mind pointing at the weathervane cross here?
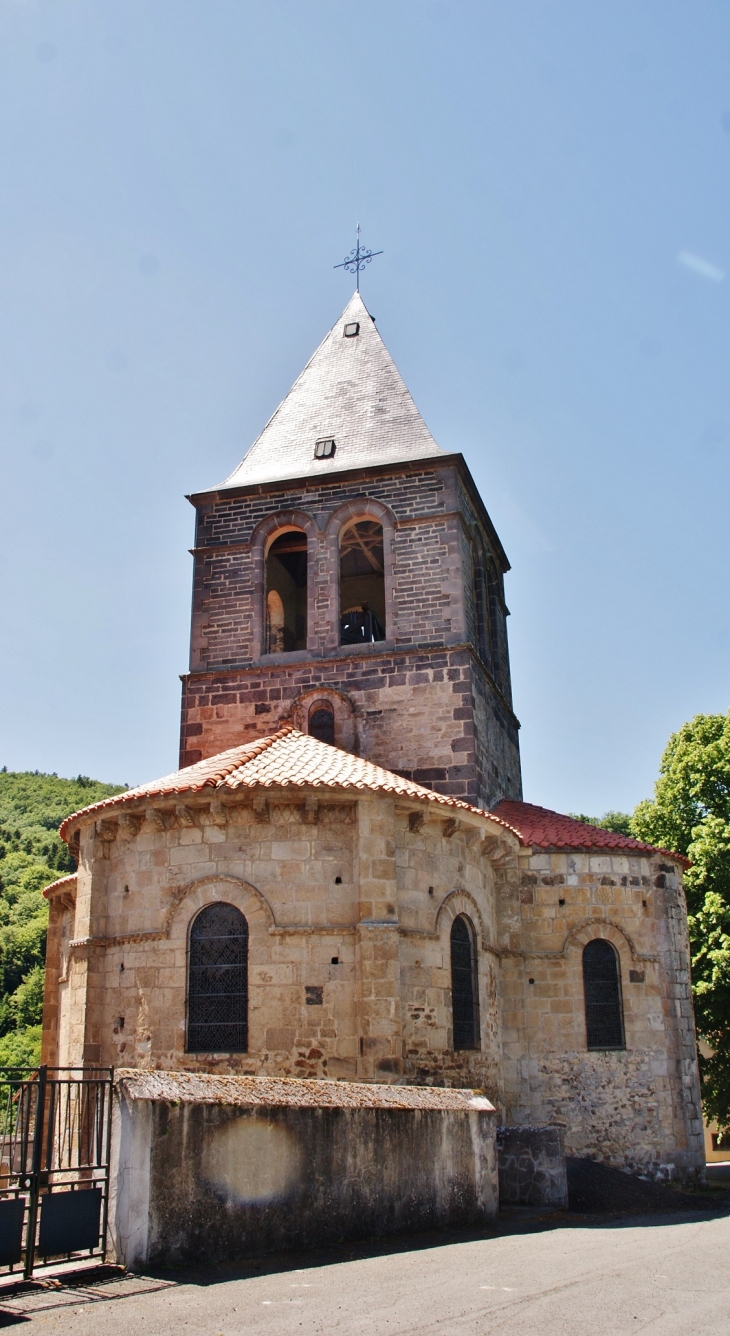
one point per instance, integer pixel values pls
(355, 262)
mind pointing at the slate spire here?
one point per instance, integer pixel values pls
(351, 392)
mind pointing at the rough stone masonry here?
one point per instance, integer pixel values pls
(343, 882)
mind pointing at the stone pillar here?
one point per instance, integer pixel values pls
(686, 1095)
(378, 945)
(86, 954)
(61, 904)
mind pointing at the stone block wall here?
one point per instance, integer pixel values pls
(429, 715)
(349, 902)
(637, 1108)
(349, 905)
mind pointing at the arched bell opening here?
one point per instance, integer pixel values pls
(362, 583)
(286, 593)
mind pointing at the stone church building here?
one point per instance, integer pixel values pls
(342, 880)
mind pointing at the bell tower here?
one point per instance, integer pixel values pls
(348, 578)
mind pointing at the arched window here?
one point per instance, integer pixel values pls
(602, 991)
(218, 981)
(286, 593)
(362, 583)
(464, 989)
(322, 723)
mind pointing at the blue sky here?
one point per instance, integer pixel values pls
(549, 183)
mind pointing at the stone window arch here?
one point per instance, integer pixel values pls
(217, 1001)
(286, 591)
(464, 984)
(362, 582)
(306, 706)
(602, 995)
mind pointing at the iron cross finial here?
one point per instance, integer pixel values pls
(355, 262)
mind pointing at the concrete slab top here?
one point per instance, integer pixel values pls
(258, 1091)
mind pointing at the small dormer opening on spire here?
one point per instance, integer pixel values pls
(351, 392)
(362, 583)
(286, 593)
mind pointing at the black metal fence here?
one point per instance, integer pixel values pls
(55, 1127)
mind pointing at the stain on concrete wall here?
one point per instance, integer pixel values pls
(267, 1171)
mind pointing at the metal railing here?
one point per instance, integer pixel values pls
(55, 1128)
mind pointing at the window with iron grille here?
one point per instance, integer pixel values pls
(602, 991)
(218, 981)
(464, 991)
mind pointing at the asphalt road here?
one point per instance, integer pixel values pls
(661, 1274)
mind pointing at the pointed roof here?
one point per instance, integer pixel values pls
(286, 759)
(350, 390)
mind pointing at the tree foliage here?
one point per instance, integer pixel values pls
(32, 854)
(620, 822)
(690, 814)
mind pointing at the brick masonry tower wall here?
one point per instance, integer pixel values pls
(423, 702)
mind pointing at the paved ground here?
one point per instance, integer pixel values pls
(666, 1275)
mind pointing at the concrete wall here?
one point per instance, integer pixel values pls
(532, 1169)
(637, 1108)
(412, 699)
(206, 1169)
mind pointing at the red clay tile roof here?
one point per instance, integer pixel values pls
(62, 881)
(544, 829)
(286, 759)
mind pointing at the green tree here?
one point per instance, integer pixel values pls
(32, 807)
(690, 814)
(620, 822)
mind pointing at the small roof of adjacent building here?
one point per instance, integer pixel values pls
(545, 829)
(286, 759)
(350, 392)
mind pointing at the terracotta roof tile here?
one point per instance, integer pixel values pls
(62, 881)
(544, 829)
(286, 759)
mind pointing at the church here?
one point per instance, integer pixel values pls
(342, 881)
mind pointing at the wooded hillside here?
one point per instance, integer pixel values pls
(32, 807)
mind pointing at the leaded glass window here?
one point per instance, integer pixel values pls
(464, 991)
(602, 990)
(218, 981)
